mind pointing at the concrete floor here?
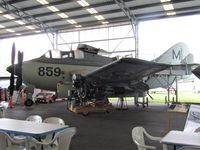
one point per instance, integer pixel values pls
(103, 131)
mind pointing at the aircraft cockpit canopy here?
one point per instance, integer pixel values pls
(81, 52)
(54, 53)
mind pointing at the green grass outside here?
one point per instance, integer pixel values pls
(189, 97)
(182, 97)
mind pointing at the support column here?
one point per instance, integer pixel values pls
(133, 22)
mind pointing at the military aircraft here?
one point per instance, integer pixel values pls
(86, 75)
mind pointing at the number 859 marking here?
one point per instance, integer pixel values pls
(49, 71)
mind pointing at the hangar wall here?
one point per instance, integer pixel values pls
(117, 39)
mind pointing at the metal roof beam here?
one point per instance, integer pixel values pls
(110, 12)
(99, 5)
(30, 19)
(39, 5)
(24, 16)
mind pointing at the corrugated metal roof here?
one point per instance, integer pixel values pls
(32, 17)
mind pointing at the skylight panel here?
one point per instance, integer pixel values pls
(37, 31)
(162, 1)
(99, 17)
(30, 27)
(9, 16)
(10, 30)
(71, 21)
(1, 26)
(63, 15)
(20, 22)
(171, 13)
(91, 10)
(78, 26)
(43, 2)
(83, 3)
(105, 22)
(53, 8)
(168, 7)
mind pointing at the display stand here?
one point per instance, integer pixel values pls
(192, 123)
(175, 108)
(87, 107)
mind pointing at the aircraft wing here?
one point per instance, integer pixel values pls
(125, 70)
(179, 69)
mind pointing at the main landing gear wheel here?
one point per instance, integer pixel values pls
(28, 102)
(85, 113)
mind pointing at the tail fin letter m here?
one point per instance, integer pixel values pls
(176, 56)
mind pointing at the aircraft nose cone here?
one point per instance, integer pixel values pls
(14, 68)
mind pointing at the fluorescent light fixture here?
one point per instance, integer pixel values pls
(99, 17)
(53, 8)
(168, 7)
(1, 26)
(105, 22)
(20, 22)
(71, 21)
(92, 10)
(9, 16)
(171, 13)
(78, 26)
(63, 15)
(43, 2)
(162, 1)
(83, 3)
(18, 34)
(30, 27)
(10, 30)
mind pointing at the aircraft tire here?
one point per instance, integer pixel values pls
(85, 113)
(28, 103)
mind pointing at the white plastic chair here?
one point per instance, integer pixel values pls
(3, 106)
(138, 138)
(52, 120)
(8, 143)
(34, 118)
(63, 137)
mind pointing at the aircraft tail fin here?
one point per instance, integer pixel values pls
(177, 54)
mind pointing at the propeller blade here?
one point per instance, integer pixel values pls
(19, 68)
(13, 54)
(12, 78)
(11, 87)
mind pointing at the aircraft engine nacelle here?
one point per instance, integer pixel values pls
(86, 90)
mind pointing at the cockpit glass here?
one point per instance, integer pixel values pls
(47, 54)
(53, 54)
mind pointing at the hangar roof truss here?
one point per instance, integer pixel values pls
(27, 17)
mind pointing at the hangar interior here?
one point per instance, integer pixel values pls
(83, 20)
(110, 24)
